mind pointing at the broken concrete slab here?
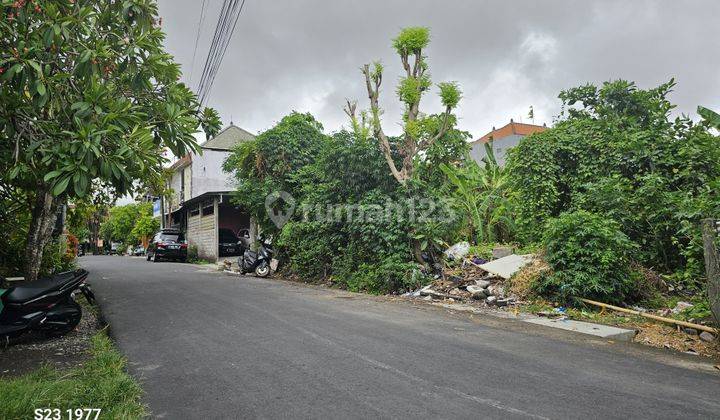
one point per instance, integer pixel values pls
(482, 283)
(477, 292)
(506, 267)
(598, 330)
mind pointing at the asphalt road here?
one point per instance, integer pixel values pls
(210, 345)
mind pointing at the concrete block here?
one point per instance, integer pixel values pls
(502, 251)
(598, 330)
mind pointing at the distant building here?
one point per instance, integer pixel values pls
(200, 201)
(503, 138)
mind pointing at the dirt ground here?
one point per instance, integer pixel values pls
(32, 350)
(662, 336)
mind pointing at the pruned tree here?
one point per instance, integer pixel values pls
(420, 131)
(88, 93)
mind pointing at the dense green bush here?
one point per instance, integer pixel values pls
(56, 257)
(616, 152)
(342, 187)
(388, 275)
(192, 254)
(590, 258)
(273, 163)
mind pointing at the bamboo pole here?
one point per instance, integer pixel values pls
(655, 317)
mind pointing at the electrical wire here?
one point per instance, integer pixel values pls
(197, 39)
(227, 22)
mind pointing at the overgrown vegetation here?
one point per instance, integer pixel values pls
(614, 192)
(589, 256)
(101, 382)
(617, 153)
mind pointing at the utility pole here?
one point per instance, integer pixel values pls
(710, 229)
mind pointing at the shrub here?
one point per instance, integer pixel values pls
(590, 258)
(57, 258)
(192, 254)
(388, 275)
(616, 151)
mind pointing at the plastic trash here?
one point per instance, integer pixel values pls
(458, 251)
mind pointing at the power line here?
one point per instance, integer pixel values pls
(224, 35)
(213, 46)
(227, 21)
(197, 38)
(224, 47)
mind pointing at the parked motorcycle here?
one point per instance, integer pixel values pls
(47, 305)
(258, 261)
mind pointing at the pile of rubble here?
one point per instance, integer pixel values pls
(476, 280)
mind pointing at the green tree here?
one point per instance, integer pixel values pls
(272, 163)
(88, 93)
(616, 152)
(483, 193)
(420, 131)
(145, 226)
(129, 223)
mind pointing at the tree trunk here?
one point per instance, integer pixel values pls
(712, 265)
(44, 214)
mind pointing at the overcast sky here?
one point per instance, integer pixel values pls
(506, 55)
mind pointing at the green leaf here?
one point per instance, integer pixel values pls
(61, 186)
(51, 175)
(34, 64)
(80, 184)
(16, 68)
(40, 88)
(710, 116)
(85, 56)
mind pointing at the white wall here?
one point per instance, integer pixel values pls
(174, 202)
(207, 173)
(501, 147)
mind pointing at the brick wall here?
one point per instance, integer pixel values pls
(201, 233)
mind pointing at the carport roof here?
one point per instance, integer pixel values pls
(202, 197)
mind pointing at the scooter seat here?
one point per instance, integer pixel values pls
(26, 291)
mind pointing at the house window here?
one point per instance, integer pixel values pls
(208, 210)
(195, 211)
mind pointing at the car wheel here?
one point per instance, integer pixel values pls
(154, 257)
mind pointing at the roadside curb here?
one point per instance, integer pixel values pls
(588, 328)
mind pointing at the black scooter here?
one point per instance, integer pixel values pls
(257, 261)
(47, 305)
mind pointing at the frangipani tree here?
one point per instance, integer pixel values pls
(420, 131)
(87, 93)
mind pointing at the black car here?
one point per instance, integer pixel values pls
(229, 242)
(167, 244)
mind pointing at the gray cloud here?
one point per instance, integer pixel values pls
(506, 55)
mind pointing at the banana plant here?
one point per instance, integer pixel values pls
(482, 192)
(712, 117)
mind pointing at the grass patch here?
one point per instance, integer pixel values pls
(100, 383)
